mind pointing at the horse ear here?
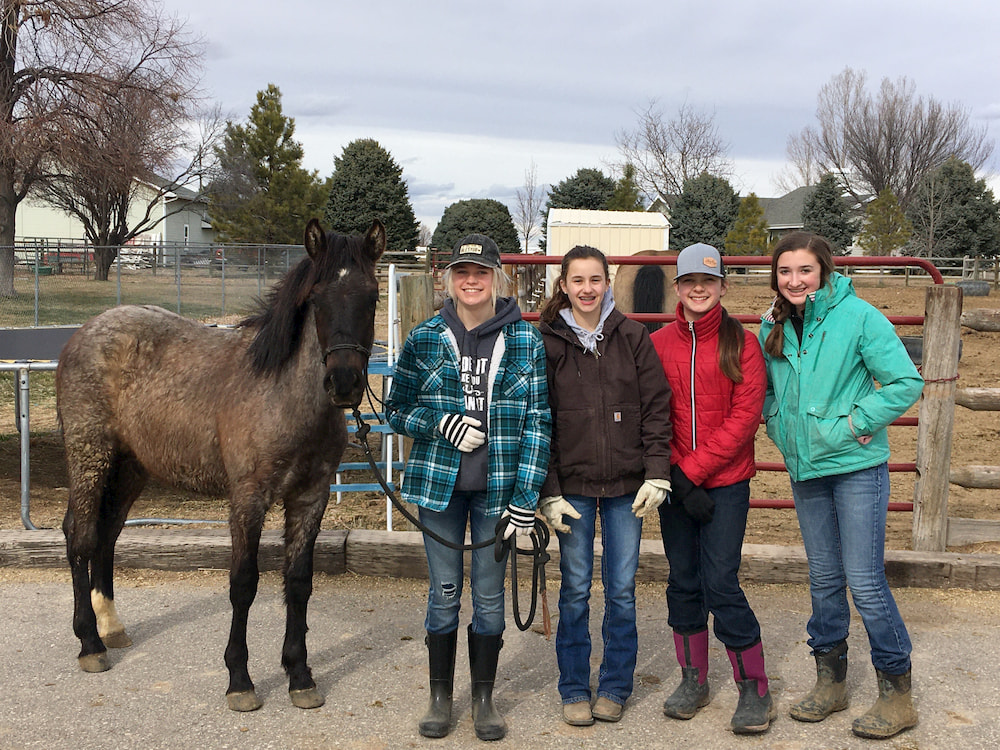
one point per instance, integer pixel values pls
(375, 240)
(315, 240)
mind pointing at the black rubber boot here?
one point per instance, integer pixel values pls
(893, 710)
(755, 710)
(830, 692)
(692, 693)
(441, 649)
(484, 652)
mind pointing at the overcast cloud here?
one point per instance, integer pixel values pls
(465, 95)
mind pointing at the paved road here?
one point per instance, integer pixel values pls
(367, 653)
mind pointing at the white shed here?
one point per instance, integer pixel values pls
(611, 232)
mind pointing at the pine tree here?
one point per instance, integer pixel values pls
(826, 212)
(260, 192)
(626, 195)
(366, 184)
(886, 228)
(704, 212)
(749, 234)
(477, 216)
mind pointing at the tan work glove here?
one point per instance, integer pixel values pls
(554, 508)
(649, 497)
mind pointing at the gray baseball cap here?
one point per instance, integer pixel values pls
(700, 258)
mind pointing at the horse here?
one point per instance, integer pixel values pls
(646, 289)
(253, 413)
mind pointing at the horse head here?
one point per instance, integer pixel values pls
(344, 296)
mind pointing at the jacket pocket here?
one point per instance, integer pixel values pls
(625, 431)
(516, 382)
(828, 431)
(577, 449)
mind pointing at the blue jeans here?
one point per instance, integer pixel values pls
(842, 519)
(445, 567)
(620, 535)
(704, 568)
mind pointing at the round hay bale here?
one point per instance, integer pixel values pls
(972, 288)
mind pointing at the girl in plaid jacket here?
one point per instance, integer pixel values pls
(470, 389)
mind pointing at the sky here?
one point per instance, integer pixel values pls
(467, 96)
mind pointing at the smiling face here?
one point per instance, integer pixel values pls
(585, 284)
(798, 274)
(472, 286)
(699, 293)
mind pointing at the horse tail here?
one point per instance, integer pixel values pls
(647, 293)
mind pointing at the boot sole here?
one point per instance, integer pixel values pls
(814, 718)
(881, 736)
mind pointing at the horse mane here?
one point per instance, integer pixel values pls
(281, 314)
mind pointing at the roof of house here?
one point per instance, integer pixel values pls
(786, 212)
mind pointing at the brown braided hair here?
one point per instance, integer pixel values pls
(782, 308)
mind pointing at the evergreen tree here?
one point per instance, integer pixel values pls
(886, 228)
(367, 184)
(705, 211)
(589, 189)
(477, 216)
(626, 195)
(749, 234)
(826, 212)
(953, 214)
(260, 192)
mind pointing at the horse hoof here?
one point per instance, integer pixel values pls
(117, 639)
(308, 698)
(95, 662)
(244, 701)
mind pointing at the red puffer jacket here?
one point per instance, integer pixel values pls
(714, 419)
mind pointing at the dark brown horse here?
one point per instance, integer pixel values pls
(254, 414)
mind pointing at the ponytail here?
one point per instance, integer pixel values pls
(731, 340)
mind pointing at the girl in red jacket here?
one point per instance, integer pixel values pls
(716, 373)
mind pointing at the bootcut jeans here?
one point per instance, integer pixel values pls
(842, 518)
(445, 566)
(620, 535)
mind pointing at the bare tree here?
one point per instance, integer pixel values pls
(132, 151)
(666, 153)
(890, 140)
(528, 206)
(802, 169)
(57, 59)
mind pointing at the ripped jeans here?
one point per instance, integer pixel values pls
(445, 567)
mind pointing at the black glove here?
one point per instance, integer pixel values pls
(697, 503)
(680, 485)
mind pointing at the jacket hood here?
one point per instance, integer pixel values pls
(836, 290)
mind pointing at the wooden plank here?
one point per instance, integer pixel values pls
(978, 399)
(963, 531)
(976, 477)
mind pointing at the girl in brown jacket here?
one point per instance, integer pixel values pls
(610, 454)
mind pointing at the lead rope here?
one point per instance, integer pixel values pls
(539, 539)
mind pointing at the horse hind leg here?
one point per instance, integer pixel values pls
(125, 484)
(302, 521)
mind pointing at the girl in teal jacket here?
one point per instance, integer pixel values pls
(838, 375)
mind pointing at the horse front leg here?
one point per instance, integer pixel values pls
(244, 576)
(302, 521)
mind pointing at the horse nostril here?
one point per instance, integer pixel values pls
(342, 381)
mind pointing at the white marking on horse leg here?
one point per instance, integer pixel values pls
(109, 627)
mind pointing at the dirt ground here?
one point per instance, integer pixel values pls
(975, 442)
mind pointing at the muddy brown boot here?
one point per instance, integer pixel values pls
(893, 710)
(830, 692)
(484, 652)
(755, 710)
(441, 649)
(692, 693)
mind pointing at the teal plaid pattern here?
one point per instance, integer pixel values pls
(426, 386)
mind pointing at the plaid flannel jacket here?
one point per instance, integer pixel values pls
(426, 386)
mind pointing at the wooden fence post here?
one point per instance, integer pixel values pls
(942, 333)
(416, 304)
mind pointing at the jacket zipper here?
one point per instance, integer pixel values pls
(694, 416)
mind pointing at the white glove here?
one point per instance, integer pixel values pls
(554, 508)
(649, 497)
(462, 432)
(521, 521)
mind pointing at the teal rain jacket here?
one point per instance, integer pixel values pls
(847, 345)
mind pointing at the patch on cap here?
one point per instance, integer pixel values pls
(473, 249)
(710, 262)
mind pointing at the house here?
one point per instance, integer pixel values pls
(784, 214)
